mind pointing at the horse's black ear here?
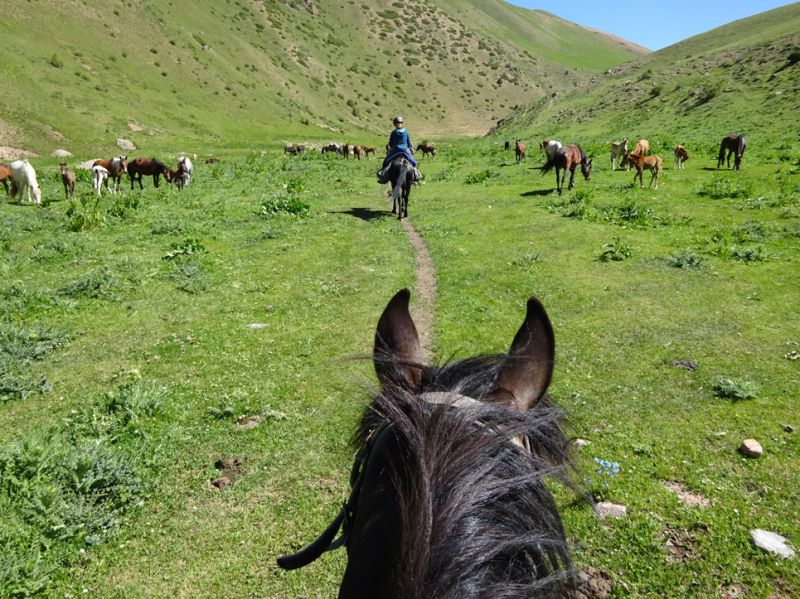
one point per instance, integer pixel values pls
(397, 354)
(528, 368)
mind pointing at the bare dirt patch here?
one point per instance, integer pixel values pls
(229, 468)
(425, 288)
(590, 583)
(685, 495)
(9, 153)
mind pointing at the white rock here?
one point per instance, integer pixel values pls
(606, 509)
(750, 448)
(61, 154)
(256, 325)
(581, 443)
(126, 144)
(771, 542)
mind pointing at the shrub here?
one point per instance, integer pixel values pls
(284, 203)
(84, 213)
(480, 177)
(185, 248)
(96, 284)
(55, 61)
(686, 259)
(727, 187)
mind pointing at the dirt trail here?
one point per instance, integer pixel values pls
(425, 296)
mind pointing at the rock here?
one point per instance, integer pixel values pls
(87, 164)
(248, 422)
(788, 428)
(61, 154)
(126, 144)
(606, 509)
(771, 542)
(750, 448)
(256, 325)
(685, 364)
(222, 482)
(580, 442)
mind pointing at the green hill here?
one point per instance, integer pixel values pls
(235, 72)
(740, 77)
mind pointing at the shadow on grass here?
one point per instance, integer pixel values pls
(537, 192)
(366, 214)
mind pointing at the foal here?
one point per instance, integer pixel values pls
(519, 150)
(654, 164)
(68, 179)
(681, 156)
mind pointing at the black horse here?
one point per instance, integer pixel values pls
(733, 144)
(448, 496)
(402, 175)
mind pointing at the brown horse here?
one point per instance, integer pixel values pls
(654, 164)
(294, 150)
(733, 144)
(681, 156)
(567, 159)
(427, 148)
(7, 180)
(519, 150)
(367, 151)
(68, 179)
(357, 152)
(115, 167)
(642, 149)
(449, 496)
(146, 166)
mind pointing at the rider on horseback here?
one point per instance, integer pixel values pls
(399, 143)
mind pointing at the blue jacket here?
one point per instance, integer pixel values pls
(400, 141)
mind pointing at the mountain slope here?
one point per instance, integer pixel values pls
(236, 71)
(740, 77)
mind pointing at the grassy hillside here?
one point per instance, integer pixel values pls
(207, 73)
(741, 77)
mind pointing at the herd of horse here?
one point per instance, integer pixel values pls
(19, 177)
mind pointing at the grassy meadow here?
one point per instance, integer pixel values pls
(143, 333)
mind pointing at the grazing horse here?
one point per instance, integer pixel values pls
(448, 492)
(332, 147)
(367, 151)
(427, 148)
(618, 150)
(24, 178)
(294, 150)
(7, 180)
(402, 175)
(681, 156)
(212, 160)
(567, 159)
(519, 150)
(99, 178)
(68, 179)
(733, 144)
(115, 167)
(357, 152)
(654, 164)
(146, 166)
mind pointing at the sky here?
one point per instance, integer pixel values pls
(654, 25)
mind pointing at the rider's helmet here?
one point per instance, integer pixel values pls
(398, 120)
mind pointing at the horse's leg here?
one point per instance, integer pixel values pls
(571, 176)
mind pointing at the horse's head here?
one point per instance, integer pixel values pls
(586, 169)
(63, 166)
(123, 160)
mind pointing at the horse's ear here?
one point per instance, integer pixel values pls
(528, 368)
(397, 354)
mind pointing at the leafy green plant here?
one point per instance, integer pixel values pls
(735, 389)
(722, 186)
(185, 248)
(84, 213)
(99, 283)
(480, 177)
(685, 259)
(615, 251)
(189, 277)
(283, 203)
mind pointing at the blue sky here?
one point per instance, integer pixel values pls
(653, 24)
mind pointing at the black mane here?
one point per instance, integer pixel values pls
(476, 517)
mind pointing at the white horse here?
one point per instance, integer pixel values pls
(551, 147)
(99, 178)
(618, 150)
(25, 178)
(185, 165)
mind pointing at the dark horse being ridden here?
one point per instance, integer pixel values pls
(146, 166)
(448, 497)
(401, 175)
(734, 144)
(567, 159)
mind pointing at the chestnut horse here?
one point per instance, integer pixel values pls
(68, 179)
(642, 149)
(567, 159)
(640, 163)
(428, 148)
(448, 490)
(146, 166)
(734, 144)
(115, 167)
(7, 180)
(519, 150)
(367, 151)
(681, 156)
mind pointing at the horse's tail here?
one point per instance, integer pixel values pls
(721, 157)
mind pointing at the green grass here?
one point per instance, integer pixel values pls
(215, 309)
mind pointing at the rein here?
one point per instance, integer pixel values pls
(327, 541)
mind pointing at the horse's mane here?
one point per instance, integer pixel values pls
(476, 515)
